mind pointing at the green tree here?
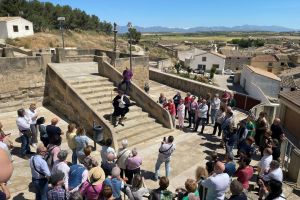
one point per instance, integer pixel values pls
(135, 35)
(178, 67)
(212, 72)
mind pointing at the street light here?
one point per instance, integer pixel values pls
(61, 19)
(129, 26)
(115, 36)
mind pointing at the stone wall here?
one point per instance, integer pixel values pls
(23, 81)
(236, 63)
(137, 94)
(244, 102)
(140, 69)
(68, 103)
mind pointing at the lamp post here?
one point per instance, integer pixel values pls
(115, 37)
(129, 26)
(61, 19)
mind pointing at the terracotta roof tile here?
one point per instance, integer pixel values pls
(264, 58)
(292, 96)
(263, 73)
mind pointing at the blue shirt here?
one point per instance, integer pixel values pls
(39, 167)
(81, 142)
(116, 186)
(230, 168)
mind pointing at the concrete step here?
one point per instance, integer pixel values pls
(84, 80)
(107, 108)
(146, 136)
(97, 101)
(108, 89)
(99, 95)
(93, 85)
(128, 133)
(130, 123)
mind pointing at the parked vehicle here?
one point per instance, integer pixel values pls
(228, 72)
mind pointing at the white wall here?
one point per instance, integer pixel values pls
(21, 23)
(211, 60)
(3, 30)
(257, 85)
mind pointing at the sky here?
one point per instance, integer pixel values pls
(192, 13)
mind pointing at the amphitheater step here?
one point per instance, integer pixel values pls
(93, 85)
(109, 89)
(131, 132)
(85, 80)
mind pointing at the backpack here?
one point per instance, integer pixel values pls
(49, 156)
(166, 195)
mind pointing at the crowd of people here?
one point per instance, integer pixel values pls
(54, 177)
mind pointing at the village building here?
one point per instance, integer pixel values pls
(235, 59)
(205, 61)
(260, 84)
(267, 62)
(289, 113)
(290, 79)
(13, 27)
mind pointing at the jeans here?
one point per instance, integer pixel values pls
(157, 166)
(33, 129)
(217, 125)
(74, 157)
(213, 114)
(229, 151)
(25, 148)
(41, 188)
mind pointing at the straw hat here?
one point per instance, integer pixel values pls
(96, 175)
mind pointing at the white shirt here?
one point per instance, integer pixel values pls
(23, 123)
(264, 164)
(215, 103)
(165, 151)
(31, 116)
(105, 150)
(62, 167)
(203, 111)
(216, 185)
(122, 158)
(275, 174)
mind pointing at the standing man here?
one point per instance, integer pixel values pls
(192, 112)
(40, 173)
(217, 183)
(121, 107)
(202, 115)
(277, 130)
(165, 151)
(32, 115)
(176, 100)
(187, 103)
(53, 131)
(215, 106)
(24, 127)
(127, 76)
(170, 106)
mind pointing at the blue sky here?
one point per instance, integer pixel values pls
(192, 13)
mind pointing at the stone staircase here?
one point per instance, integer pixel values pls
(99, 92)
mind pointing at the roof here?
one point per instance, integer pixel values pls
(218, 54)
(292, 96)
(263, 73)
(290, 72)
(264, 58)
(234, 53)
(282, 57)
(5, 19)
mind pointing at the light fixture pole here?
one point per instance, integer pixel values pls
(115, 37)
(61, 19)
(129, 26)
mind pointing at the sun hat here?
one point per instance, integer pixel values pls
(96, 175)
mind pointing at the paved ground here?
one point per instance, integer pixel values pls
(226, 82)
(192, 150)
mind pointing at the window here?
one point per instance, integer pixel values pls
(16, 28)
(282, 64)
(203, 59)
(270, 64)
(269, 69)
(27, 28)
(201, 67)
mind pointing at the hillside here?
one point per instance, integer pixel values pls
(82, 39)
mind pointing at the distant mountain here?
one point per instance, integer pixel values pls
(244, 28)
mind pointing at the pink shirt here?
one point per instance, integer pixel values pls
(90, 192)
(134, 162)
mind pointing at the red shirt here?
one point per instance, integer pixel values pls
(171, 108)
(187, 101)
(244, 175)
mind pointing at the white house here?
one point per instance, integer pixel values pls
(260, 84)
(13, 27)
(206, 61)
